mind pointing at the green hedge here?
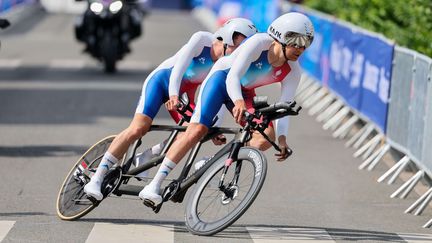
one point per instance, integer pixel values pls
(408, 23)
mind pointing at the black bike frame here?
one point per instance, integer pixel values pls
(185, 180)
(177, 189)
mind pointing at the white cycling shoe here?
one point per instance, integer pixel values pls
(151, 195)
(93, 189)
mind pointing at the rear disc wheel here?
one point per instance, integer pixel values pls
(72, 202)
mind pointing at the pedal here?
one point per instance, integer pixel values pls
(151, 205)
(93, 200)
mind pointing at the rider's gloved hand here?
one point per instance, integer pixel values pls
(172, 103)
(285, 151)
(238, 110)
(219, 139)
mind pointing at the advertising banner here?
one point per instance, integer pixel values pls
(346, 64)
(377, 71)
(262, 13)
(360, 71)
(316, 60)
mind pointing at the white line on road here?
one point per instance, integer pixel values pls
(416, 238)
(10, 63)
(280, 235)
(134, 65)
(107, 232)
(5, 226)
(67, 63)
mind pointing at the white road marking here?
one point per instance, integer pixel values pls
(5, 226)
(416, 238)
(10, 63)
(107, 232)
(134, 65)
(67, 63)
(280, 235)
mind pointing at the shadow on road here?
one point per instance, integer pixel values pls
(281, 232)
(41, 151)
(46, 73)
(65, 97)
(23, 214)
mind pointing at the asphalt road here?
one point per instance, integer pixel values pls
(56, 102)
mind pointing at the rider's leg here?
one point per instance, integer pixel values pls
(138, 128)
(154, 93)
(210, 99)
(178, 150)
(259, 142)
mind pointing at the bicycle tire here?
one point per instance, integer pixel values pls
(195, 223)
(71, 190)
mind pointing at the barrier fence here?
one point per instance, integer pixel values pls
(354, 75)
(397, 132)
(417, 111)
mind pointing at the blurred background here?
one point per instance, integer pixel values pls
(71, 73)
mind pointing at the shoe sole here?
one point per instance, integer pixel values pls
(149, 203)
(97, 197)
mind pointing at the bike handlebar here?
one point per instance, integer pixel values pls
(287, 106)
(269, 113)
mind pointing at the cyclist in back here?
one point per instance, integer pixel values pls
(263, 59)
(180, 73)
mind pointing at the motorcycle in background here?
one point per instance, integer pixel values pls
(107, 27)
(4, 23)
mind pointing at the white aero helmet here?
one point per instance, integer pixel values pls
(294, 29)
(240, 25)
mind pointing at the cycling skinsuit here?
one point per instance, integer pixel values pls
(235, 77)
(183, 72)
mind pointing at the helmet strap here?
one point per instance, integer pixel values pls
(284, 50)
(225, 48)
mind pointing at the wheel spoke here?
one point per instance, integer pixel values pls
(213, 209)
(205, 209)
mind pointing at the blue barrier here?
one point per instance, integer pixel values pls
(354, 64)
(262, 13)
(376, 81)
(316, 60)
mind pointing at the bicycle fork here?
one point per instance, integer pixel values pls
(233, 156)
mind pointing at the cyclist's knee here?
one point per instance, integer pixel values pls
(195, 132)
(134, 133)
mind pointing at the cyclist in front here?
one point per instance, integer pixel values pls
(263, 59)
(180, 73)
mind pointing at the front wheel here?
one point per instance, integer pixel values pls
(212, 208)
(72, 202)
